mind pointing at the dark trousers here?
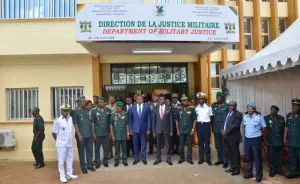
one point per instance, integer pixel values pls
(253, 148)
(219, 145)
(189, 139)
(85, 152)
(294, 160)
(275, 157)
(160, 138)
(152, 142)
(203, 133)
(140, 145)
(122, 144)
(37, 151)
(233, 152)
(175, 141)
(104, 141)
(130, 145)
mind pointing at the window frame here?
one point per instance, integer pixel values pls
(285, 24)
(265, 34)
(217, 75)
(249, 34)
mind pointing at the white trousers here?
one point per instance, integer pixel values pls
(65, 155)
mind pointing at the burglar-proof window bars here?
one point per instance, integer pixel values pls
(64, 95)
(27, 9)
(21, 102)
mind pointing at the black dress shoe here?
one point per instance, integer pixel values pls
(38, 166)
(190, 162)
(248, 176)
(225, 165)
(116, 164)
(97, 166)
(91, 169)
(150, 152)
(84, 171)
(125, 163)
(201, 162)
(180, 161)
(135, 162)
(105, 164)
(235, 173)
(170, 163)
(292, 176)
(218, 163)
(177, 152)
(209, 163)
(230, 170)
(258, 180)
(157, 162)
(272, 174)
(145, 162)
(280, 173)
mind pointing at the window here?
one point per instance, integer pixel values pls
(215, 75)
(170, 1)
(265, 1)
(126, 1)
(232, 63)
(232, 46)
(148, 73)
(265, 32)
(282, 0)
(248, 0)
(19, 9)
(61, 96)
(21, 102)
(248, 33)
(282, 25)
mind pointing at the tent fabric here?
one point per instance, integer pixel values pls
(280, 54)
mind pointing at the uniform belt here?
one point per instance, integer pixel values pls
(202, 122)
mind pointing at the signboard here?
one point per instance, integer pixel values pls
(150, 22)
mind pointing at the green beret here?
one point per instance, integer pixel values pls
(275, 107)
(101, 98)
(296, 101)
(120, 103)
(221, 94)
(80, 99)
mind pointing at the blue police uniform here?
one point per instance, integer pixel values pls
(253, 143)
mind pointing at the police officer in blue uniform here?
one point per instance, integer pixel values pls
(274, 136)
(254, 126)
(292, 139)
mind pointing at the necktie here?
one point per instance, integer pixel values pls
(227, 119)
(140, 111)
(161, 112)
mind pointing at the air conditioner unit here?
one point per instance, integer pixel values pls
(7, 138)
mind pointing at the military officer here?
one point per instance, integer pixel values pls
(38, 138)
(100, 118)
(175, 138)
(83, 136)
(185, 124)
(220, 111)
(62, 133)
(120, 133)
(274, 136)
(292, 139)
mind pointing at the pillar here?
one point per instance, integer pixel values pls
(256, 26)
(241, 44)
(97, 77)
(292, 11)
(224, 61)
(274, 27)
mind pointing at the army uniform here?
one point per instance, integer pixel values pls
(275, 130)
(119, 122)
(85, 148)
(293, 137)
(186, 118)
(101, 118)
(37, 147)
(220, 114)
(175, 137)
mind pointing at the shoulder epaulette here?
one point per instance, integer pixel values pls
(179, 107)
(192, 107)
(113, 113)
(124, 112)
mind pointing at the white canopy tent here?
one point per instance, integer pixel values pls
(272, 76)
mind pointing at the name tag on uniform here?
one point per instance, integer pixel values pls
(188, 112)
(123, 117)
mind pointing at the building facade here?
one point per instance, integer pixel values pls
(42, 65)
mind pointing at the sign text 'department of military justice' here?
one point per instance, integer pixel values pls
(150, 22)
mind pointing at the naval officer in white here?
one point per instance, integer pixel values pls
(62, 132)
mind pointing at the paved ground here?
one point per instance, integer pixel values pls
(23, 172)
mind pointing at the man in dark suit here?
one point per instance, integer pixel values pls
(232, 138)
(128, 105)
(139, 125)
(162, 126)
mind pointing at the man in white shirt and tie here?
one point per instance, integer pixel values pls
(204, 114)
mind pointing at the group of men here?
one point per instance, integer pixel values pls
(172, 126)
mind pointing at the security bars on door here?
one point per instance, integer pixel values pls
(21, 102)
(63, 96)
